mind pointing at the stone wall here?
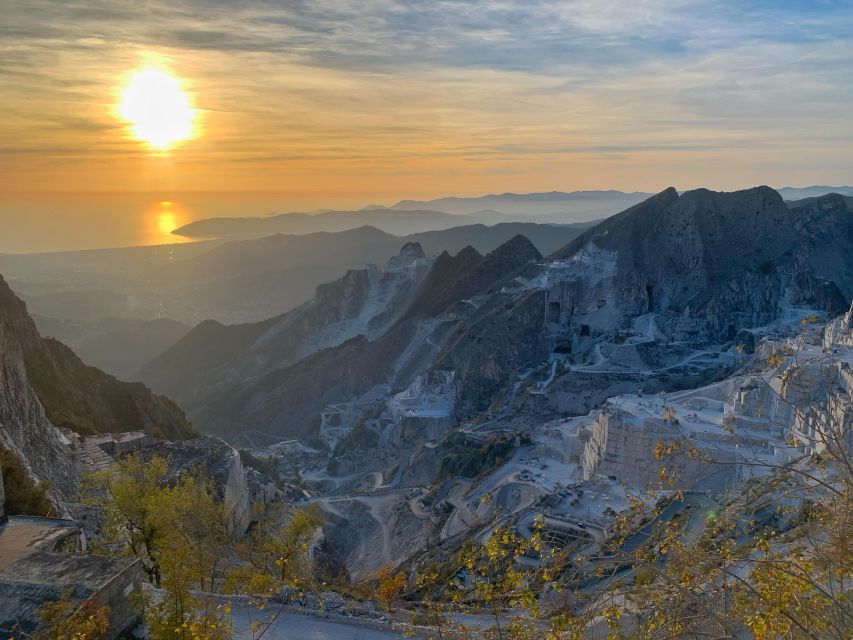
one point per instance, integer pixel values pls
(120, 594)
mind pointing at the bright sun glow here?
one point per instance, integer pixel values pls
(158, 109)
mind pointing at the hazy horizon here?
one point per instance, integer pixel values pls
(52, 221)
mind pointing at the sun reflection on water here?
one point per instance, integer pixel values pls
(162, 219)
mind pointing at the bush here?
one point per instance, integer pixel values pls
(266, 466)
(23, 496)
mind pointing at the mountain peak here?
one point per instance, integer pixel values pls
(409, 253)
(468, 254)
(518, 248)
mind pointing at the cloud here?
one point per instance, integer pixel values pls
(437, 84)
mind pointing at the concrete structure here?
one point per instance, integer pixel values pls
(42, 576)
(98, 452)
(41, 561)
(121, 444)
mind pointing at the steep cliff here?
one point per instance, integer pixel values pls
(24, 427)
(79, 397)
(711, 254)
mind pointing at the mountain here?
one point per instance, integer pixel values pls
(118, 346)
(712, 253)
(483, 238)
(79, 397)
(553, 206)
(814, 191)
(355, 334)
(795, 204)
(390, 221)
(707, 265)
(237, 281)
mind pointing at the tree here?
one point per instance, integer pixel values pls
(429, 583)
(278, 549)
(192, 550)
(66, 619)
(23, 496)
(130, 496)
(495, 577)
(389, 586)
(180, 534)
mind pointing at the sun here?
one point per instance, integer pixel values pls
(157, 108)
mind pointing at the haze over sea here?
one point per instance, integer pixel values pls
(65, 221)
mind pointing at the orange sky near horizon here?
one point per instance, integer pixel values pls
(361, 116)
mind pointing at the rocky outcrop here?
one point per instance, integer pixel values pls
(468, 274)
(24, 427)
(409, 254)
(245, 494)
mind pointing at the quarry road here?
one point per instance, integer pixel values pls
(292, 626)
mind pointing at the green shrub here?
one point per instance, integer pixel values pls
(23, 496)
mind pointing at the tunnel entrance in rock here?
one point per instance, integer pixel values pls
(553, 311)
(563, 346)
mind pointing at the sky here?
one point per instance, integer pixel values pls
(345, 102)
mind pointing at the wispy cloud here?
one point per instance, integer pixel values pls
(581, 93)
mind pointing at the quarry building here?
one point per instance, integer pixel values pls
(43, 560)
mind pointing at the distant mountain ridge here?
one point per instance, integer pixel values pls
(813, 191)
(572, 206)
(414, 216)
(793, 204)
(394, 222)
(237, 281)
